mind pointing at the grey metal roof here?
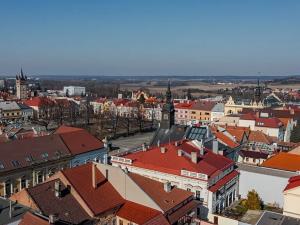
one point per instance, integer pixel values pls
(265, 170)
(175, 133)
(17, 211)
(9, 106)
(272, 218)
(219, 107)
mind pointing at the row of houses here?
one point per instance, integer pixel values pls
(27, 162)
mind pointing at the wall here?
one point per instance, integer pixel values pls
(126, 187)
(269, 187)
(291, 202)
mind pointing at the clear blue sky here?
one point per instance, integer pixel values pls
(149, 37)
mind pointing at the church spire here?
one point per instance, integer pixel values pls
(168, 93)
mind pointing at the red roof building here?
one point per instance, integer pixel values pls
(179, 162)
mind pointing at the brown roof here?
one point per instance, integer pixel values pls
(204, 105)
(145, 214)
(99, 199)
(238, 132)
(21, 153)
(31, 219)
(81, 141)
(66, 207)
(155, 189)
(259, 136)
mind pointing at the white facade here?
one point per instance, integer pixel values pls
(74, 90)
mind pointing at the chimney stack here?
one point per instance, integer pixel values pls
(144, 147)
(194, 157)
(94, 182)
(163, 150)
(53, 219)
(176, 143)
(179, 152)
(215, 146)
(58, 189)
(167, 186)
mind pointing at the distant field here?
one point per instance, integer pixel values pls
(197, 85)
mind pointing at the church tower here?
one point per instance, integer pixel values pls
(21, 85)
(168, 112)
(257, 94)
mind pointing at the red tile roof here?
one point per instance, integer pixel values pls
(293, 183)
(30, 219)
(66, 129)
(283, 161)
(184, 105)
(268, 122)
(226, 140)
(81, 141)
(153, 159)
(137, 213)
(99, 199)
(223, 181)
(204, 105)
(248, 116)
(155, 189)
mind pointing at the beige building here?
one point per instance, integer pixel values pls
(232, 107)
(291, 205)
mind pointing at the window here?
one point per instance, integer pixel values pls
(120, 222)
(23, 182)
(198, 195)
(188, 189)
(1, 166)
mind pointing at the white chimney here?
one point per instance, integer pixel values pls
(144, 147)
(162, 150)
(176, 143)
(58, 189)
(167, 186)
(179, 152)
(194, 157)
(215, 146)
(53, 218)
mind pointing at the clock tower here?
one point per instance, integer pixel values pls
(168, 112)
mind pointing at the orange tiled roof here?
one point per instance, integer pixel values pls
(226, 140)
(30, 219)
(129, 212)
(99, 200)
(283, 161)
(259, 136)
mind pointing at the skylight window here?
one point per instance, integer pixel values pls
(15, 163)
(29, 158)
(45, 155)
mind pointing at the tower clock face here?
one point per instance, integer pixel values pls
(166, 116)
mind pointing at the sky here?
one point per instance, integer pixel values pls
(156, 37)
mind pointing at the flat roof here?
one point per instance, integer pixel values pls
(265, 170)
(272, 218)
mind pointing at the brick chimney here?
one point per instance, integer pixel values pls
(94, 182)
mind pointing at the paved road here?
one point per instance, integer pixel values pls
(131, 142)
